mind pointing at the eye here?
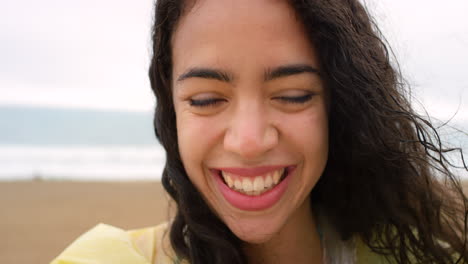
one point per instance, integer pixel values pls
(205, 102)
(295, 99)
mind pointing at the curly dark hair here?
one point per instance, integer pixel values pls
(387, 174)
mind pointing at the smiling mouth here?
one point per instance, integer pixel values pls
(254, 185)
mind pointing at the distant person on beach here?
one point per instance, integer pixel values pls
(290, 139)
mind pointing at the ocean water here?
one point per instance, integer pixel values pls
(77, 144)
(81, 163)
(38, 126)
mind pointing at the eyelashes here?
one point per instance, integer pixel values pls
(285, 99)
(205, 102)
(295, 99)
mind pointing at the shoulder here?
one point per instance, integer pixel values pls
(105, 244)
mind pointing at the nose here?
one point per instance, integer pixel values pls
(250, 133)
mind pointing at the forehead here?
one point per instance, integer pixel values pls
(240, 34)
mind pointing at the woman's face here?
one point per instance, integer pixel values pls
(251, 112)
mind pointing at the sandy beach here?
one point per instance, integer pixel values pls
(40, 218)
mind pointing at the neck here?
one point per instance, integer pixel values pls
(297, 242)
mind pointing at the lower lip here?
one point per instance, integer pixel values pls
(253, 203)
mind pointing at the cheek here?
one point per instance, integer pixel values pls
(196, 137)
(316, 135)
(188, 135)
(316, 130)
(308, 134)
(309, 129)
(190, 149)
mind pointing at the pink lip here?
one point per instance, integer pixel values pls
(250, 172)
(253, 203)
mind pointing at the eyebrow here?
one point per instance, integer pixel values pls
(288, 70)
(205, 73)
(270, 74)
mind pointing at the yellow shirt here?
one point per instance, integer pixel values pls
(105, 244)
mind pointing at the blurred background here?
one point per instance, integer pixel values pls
(76, 140)
(75, 100)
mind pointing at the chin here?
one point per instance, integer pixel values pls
(259, 237)
(255, 232)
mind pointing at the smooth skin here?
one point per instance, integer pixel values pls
(247, 93)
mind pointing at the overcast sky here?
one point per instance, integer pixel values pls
(95, 54)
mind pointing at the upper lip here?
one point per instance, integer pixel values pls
(252, 171)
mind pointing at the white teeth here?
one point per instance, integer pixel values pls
(247, 185)
(255, 186)
(229, 181)
(268, 182)
(277, 175)
(258, 184)
(238, 185)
